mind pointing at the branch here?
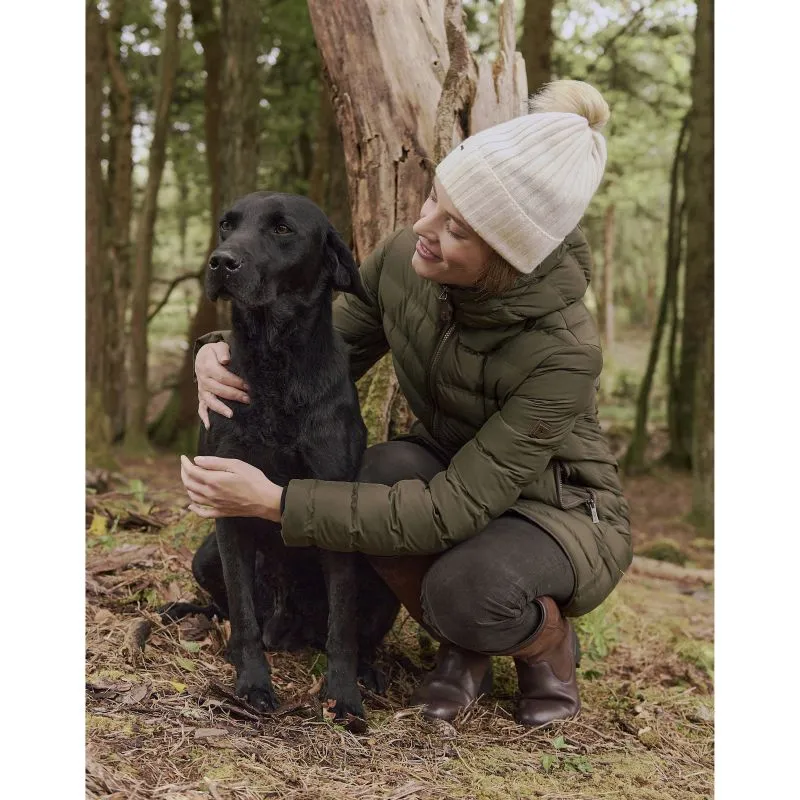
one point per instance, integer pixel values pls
(613, 40)
(187, 276)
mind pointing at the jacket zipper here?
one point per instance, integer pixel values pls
(589, 502)
(446, 314)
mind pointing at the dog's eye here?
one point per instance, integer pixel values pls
(282, 229)
(225, 225)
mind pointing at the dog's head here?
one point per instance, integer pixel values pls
(272, 245)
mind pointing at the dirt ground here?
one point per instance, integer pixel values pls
(161, 720)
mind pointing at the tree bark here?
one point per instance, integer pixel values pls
(328, 183)
(119, 210)
(241, 91)
(98, 418)
(634, 457)
(177, 424)
(537, 42)
(700, 254)
(698, 291)
(136, 415)
(405, 89)
(609, 233)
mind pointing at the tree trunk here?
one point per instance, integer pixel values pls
(609, 233)
(328, 183)
(136, 425)
(698, 291)
(634, 457)
(98, 418)
(177, 424)
(387, 65)
(119, 210)
(537, 42)
(700, 254)
(241, 92)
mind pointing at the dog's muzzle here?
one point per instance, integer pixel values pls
(224, 261)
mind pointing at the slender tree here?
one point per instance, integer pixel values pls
(137, 397)
(178, 421)
(698, 326)
(98, 394)
(119, 207)
(634, 457)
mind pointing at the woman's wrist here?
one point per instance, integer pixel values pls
(272, 503)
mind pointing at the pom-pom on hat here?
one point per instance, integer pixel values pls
(523, 185)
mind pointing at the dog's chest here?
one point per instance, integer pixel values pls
(263, 434)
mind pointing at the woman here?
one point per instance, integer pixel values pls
(502, 512)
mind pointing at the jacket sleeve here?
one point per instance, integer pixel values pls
(361, 324)
(484, 479)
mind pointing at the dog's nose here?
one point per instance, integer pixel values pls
(225, 260)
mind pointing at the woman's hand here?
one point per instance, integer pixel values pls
(214, 381)
(227, 487)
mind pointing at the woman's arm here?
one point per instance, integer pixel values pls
(484, 479)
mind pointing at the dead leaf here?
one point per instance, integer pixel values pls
(406, 791)
(122, 558)
(209, 733)
(138, 692)
(135, 637)
(104, 617)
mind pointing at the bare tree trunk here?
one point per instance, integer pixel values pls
(119, 210)
(98, 418)
(241, 91)
(537, 42)
(136, 425)
(177, 424)
(387, 65)
(634, 457)
(609, 233)
(700, 253)
(698, 294)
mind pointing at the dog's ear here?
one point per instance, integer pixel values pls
(344, 272)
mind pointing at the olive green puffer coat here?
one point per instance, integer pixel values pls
(504, 388)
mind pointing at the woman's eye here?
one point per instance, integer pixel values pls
(225, 225)
(282, 229)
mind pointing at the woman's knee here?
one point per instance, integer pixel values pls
(476, 607)
(390, 462)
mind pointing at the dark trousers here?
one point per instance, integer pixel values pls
(480, 594)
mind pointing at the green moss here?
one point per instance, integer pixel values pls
(664, 550)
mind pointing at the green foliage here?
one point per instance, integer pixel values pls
(565, 760)
(665, 550)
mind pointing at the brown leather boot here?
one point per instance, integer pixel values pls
(459, 675)
(546, 670)
(456, 681)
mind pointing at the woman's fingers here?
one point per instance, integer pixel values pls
(224, 391)
(204, 511)
(215, 404)
(225, 377)
(202, 411)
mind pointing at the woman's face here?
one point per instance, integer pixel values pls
(448, 250)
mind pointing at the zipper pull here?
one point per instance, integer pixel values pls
(445, 309)
(593, 509)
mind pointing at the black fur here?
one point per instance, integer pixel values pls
(279, 260)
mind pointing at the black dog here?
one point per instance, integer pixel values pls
(279, 260)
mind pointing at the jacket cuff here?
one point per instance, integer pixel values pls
(207, 338)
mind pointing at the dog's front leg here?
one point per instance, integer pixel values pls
(342, 646)
(237, 547)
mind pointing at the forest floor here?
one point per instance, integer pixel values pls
(161, 721)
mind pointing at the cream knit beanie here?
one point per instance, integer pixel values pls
(524, 185)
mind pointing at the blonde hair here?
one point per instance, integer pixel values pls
(571, 97)
(498, 275)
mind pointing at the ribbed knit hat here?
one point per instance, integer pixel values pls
(524, 185)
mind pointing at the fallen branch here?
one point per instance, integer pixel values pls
(670, 572)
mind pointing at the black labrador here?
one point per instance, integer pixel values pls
(279, 260)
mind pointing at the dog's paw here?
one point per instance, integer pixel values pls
(343, 705)
(262, 699)
(258, 693)
(373, 678)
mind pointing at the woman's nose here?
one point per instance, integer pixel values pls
(426, 225)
